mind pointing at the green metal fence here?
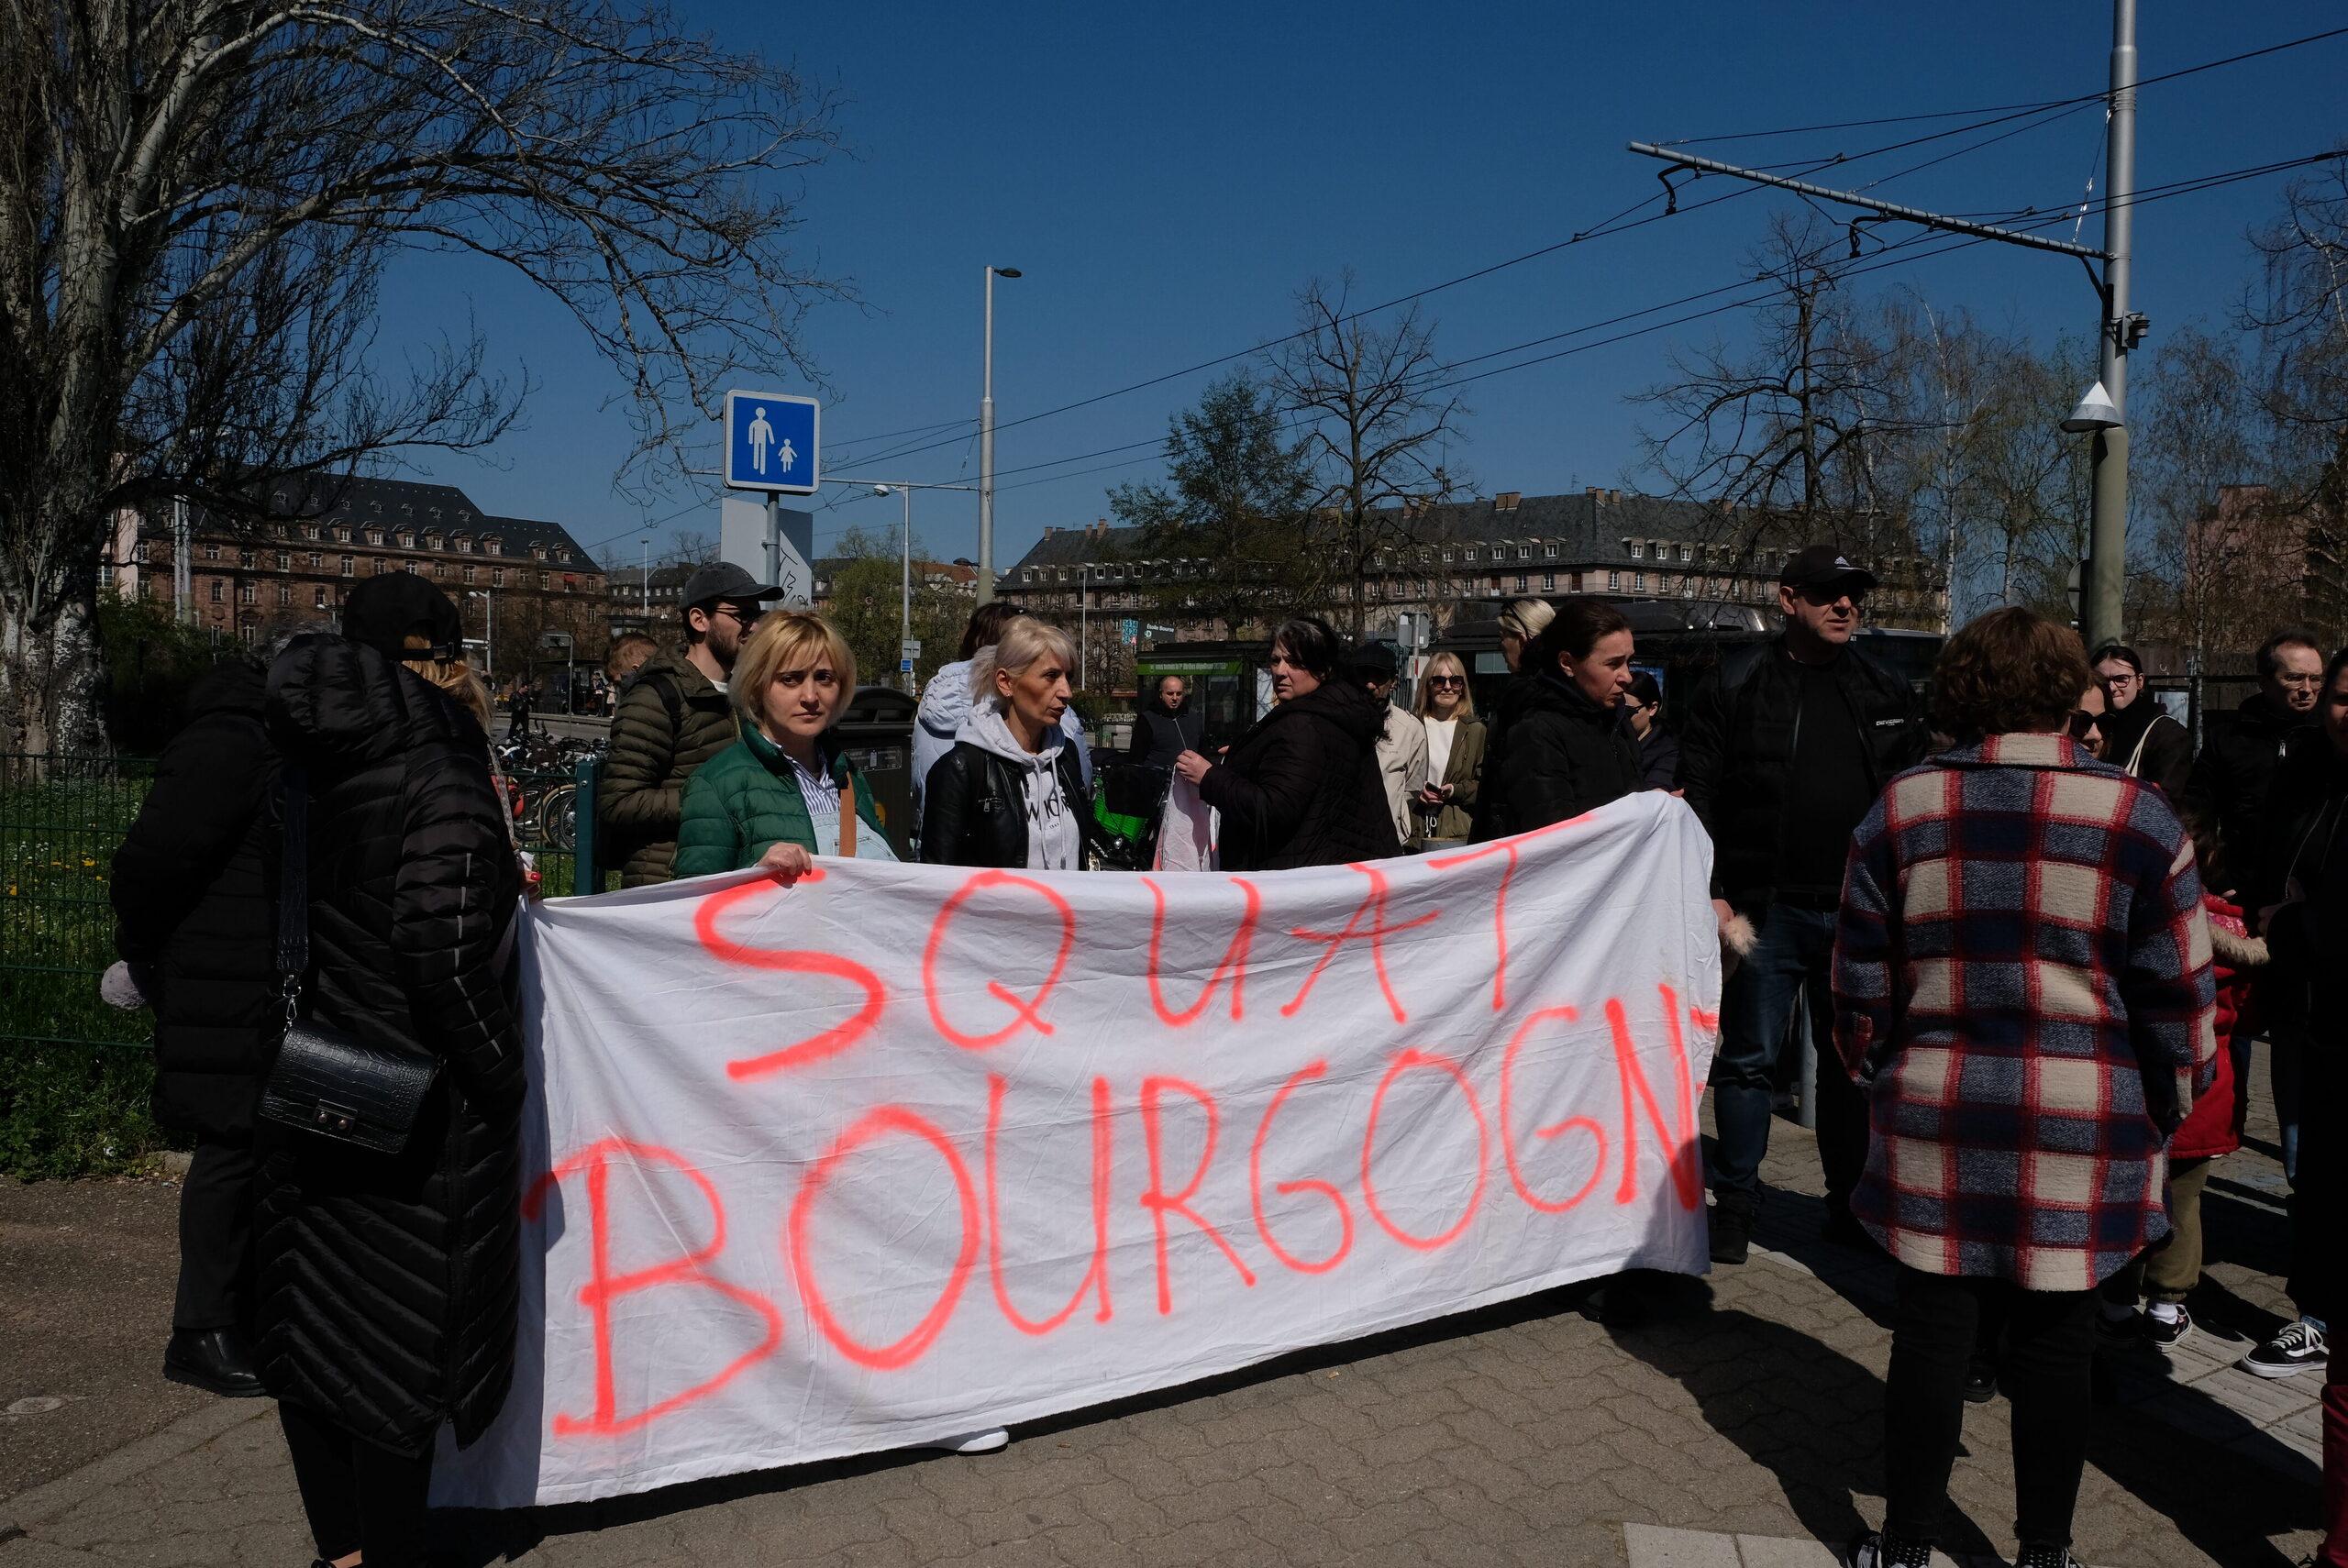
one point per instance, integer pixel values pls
(61, 819)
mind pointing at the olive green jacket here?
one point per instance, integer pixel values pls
(671, 719)
(1464, 774)
(745, 800)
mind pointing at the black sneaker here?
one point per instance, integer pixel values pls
(1732, 1228)
(2045, 1557)
(1980, 1379)
(2166, 1333)
(2297, 1348)
(1871, 1551)
(216, 1360)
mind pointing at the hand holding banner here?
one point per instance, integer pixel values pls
(902, 1151)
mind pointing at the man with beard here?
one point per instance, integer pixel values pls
(673, 716)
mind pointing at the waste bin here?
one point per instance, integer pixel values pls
(877, 730)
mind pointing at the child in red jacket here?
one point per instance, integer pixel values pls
(2172, 1266)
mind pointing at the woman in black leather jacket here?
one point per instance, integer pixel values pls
(1568, 751)
(1011, 793)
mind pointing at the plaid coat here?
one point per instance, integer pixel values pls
(2022, 988)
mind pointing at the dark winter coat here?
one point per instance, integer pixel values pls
(746, 800)
(1562, 755)
(1737, 752)
(2303, 867)
(2240, 751)
(1302, 787)
(1161, 734)
(387, 1284)
(194, 891)
(2160, 748)
(671, 720)
(1659, 758)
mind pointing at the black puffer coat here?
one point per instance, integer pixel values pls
(1561, 754)
(388, 1285)
(1302, 787)
(1162, 733)
(194, 891)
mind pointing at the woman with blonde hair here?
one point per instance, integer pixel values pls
(1455, 749)
(1010, 794)
(786, 791)
(1521, 623)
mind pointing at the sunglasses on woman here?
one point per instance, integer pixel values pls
(1445, 681)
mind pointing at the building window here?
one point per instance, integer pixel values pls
(285, 594)
(348, 569)
(216, 590)
(1636, 548)
(320, 602)
(1548, 583)
(1574, 582)
(1683, 555)
(469, 572)
(497, 577)
(374, 536)
(342, 536)
(546, 580)
(1638, 583)
(1523, 584)
(416, 568)
(1468, 554)
(211, 552)
(465, 545)
(1614, 582)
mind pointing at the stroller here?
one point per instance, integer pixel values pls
(1128, 801)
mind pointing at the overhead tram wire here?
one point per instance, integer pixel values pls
(1611, 227)
(1926, 246)
(2007, 108)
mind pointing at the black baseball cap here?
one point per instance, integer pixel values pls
(1374, 658)
(382, 611)
(723, 580)
(1821, 566)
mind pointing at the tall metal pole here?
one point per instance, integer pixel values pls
(646, 584)
(2107, 574)
(1083, 626)
(986, 457)
(905, 589)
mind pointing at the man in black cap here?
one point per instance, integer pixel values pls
(1785, 746)
(672, 717)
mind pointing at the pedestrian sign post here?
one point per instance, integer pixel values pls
(772, 442)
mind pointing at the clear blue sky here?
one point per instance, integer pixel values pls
(1167, 177)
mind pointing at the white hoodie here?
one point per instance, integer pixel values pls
(1054, 842)
(945, 704)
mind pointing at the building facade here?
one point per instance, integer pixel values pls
(1456, 561)
(515, 578)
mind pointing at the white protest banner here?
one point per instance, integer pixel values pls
(902, 1151)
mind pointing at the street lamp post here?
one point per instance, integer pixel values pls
(986, 447)
(905, 583)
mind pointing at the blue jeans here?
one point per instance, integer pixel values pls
(2285, 1072)
(1795, 950)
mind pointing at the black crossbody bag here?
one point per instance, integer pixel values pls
(329, 1081)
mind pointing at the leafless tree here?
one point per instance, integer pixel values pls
(2302, 319)
(200, 196)
(1376, 428)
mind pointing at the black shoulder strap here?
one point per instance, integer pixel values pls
(294, 884)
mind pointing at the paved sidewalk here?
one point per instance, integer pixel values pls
(1747, 1407)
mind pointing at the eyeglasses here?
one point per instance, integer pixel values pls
(1445, 680)
(2125, 678)
(746, 619)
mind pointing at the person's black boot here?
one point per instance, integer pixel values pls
(1732, 1227)
(216, 1360)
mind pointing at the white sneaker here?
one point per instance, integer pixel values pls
(986, 1442)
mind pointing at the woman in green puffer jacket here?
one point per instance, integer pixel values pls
(786, 791)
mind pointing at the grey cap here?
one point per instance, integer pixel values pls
(723, 580)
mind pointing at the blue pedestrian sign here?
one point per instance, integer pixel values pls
(772, 442)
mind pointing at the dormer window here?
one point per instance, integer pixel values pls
(1638, 550)
(374, 536)
(464, 544)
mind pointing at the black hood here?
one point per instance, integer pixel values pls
(380, 611)
(339, 704)
(1543, 693)
(1355, 712)
(239, 686)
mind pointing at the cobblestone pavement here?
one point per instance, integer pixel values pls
(1747, 1407)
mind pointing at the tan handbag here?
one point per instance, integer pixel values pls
(848, 819)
